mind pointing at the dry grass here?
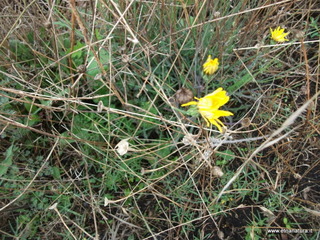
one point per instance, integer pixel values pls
(78, 77)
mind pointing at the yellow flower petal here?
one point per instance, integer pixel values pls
(216, 123)
(189, 103)
(278, 34)
(211, 65)
(209, 105)
(217, 99)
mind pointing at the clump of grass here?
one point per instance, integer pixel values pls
(78, 79)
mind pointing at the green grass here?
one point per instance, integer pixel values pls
(78, 79)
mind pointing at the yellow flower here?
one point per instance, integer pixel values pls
(211, 65)
(278, 34)
(209, 105)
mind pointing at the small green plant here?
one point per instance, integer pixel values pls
(255, 230)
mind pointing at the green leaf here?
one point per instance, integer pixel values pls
(239, 83)
(56, 173)
(77, 54)
(224, 157)
(7, 162)
(94, 69)
(30, 107)
(33, 119)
